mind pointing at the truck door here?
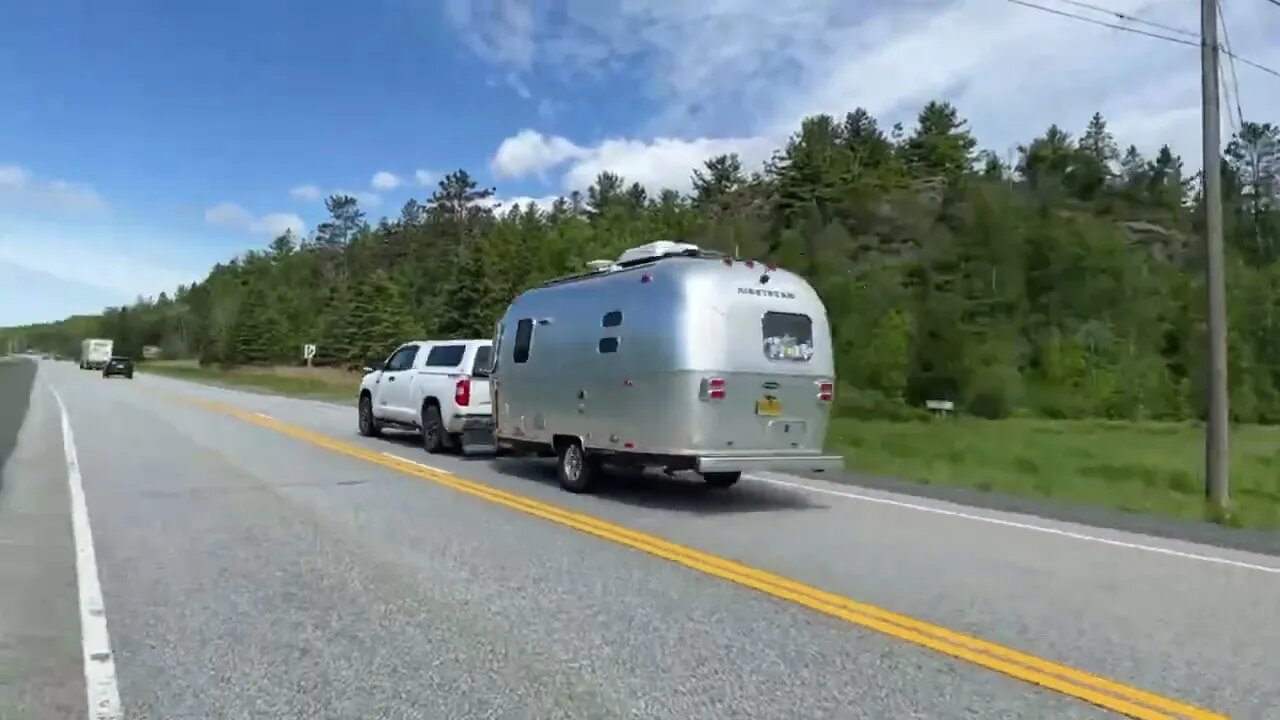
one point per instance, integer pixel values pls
(394, 386)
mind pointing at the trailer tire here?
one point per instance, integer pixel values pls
(577, 470)
(721, 479)
(433, 433)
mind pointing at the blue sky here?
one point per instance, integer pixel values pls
(142, 141)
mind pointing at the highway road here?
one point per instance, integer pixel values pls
(237, 555)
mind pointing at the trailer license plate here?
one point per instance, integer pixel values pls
(768, 406)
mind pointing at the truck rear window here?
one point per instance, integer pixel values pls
(446, 355)
(787, 336)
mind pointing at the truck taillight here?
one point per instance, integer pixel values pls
(715, 388)
(462, 392)
(826, 391)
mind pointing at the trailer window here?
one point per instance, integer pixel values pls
(787, 336)
(524, 339)
(608, 345)
(613, 318)
(446, 355)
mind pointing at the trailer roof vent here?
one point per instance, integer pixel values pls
(661, 248)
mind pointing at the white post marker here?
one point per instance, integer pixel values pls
(308, 352)
(102, 692)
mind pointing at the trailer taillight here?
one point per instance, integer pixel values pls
(772, 266)
(462, 392)
(751, 263)
(826, 391)
(714, 388)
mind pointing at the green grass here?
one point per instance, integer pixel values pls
(315, 383)
(1137, 467)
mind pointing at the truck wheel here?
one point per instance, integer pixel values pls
(433, 434)
(368, 423)
(721, 479)
(578, 471)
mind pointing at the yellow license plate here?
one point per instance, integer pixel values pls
(768, 406)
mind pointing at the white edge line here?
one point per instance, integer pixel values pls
(102, 691)
(1024, 526)
(414, 462)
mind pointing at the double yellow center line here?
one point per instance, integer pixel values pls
(1123, 699)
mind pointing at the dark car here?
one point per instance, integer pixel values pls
(118, 366)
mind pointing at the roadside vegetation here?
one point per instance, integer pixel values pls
(1057, 302)
(322, 383)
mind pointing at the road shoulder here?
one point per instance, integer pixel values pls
(41, 671)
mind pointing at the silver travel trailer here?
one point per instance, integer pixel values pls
(669, 357)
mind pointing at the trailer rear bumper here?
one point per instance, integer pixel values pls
(776, 463)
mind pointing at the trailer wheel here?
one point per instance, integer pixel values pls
(721, 479)
(578, 471)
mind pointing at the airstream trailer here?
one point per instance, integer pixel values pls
(670, 357)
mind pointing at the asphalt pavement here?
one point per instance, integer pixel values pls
(258, 559)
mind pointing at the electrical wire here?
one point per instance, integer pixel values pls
(1105, 24)
(1147, 33)
(1231, 61)
(1125, 17)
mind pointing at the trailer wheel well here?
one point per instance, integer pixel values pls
(560, 442)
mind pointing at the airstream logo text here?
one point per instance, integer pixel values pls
(767, 293)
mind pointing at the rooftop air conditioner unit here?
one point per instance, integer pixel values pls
(599, 265)
(655, 250)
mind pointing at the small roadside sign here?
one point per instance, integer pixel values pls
(308, 352)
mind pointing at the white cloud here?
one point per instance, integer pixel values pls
(530, 152)
(309, 193)
(503, 204)
(24, 191)
(425, 177)
(499, 30)
(229, 214)
(276, 224)
(74, 256)
(655, 164)
(365, 198)
(753, 68)
(383, 180)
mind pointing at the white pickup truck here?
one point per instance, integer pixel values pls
(439, 388)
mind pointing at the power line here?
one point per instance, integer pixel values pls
(1231, 60)
(1147, 33)
(1105, 24)
(1125, 17)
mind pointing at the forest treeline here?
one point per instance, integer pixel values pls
(1067, 284)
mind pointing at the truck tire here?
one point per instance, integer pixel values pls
(577, 470)
(721, 479)
(368, 423)
(433, 434)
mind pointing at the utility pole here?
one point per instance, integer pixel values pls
(1216, 431)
